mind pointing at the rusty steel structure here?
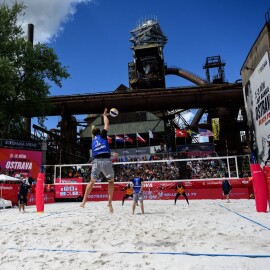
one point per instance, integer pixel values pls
(147, 92)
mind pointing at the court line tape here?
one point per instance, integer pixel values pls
(143, 252)
(251, 220)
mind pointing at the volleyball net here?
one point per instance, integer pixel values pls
(191, 169)
(201, 176)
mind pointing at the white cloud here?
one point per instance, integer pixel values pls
(47, 16)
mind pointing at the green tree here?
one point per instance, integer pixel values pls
(26, 71)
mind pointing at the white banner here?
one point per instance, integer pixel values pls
(257, 103)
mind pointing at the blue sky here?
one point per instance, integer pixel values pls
(92, 37)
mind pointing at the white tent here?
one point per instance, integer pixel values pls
(3, 178)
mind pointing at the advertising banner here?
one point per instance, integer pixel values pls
(166, 190)
(68, 191)
(48, 198)
(257, 104)
(10, 192)
(21, 144)
(18, 162)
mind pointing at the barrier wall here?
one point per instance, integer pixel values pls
(196, 190)
(152, 190)
(10, 192)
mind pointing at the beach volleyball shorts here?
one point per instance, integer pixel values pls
(138, 197)
(103, 165)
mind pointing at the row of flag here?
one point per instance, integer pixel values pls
(179, 133)
(183, 133)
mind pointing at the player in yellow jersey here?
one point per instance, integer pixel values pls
(180, 190)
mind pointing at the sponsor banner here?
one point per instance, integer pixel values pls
(68, 191)
(20, 162)
(10, 192)
(21, 144)
(169, 194)
(257, 104)
(166, 190)
(48, 198)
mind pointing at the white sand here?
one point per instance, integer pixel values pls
(66, 236)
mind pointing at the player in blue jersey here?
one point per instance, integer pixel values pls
(137, 194)
(102, 163)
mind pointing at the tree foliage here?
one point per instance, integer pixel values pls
(25, 71)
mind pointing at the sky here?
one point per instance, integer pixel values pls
(91, 37)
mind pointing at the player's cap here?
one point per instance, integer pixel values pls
(268, 139)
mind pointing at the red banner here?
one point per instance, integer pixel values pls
(10, 192)
(20, 162)
(48, 198)
(166, 190)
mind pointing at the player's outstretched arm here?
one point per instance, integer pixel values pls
(106, 119)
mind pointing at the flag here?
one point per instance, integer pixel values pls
(140, 139)
(109, 139)
(205, 132)
(119, 139)
(215, 128)
(127, 139)
(92, 127)
(191, 133)
(151, 135)
(180, 133)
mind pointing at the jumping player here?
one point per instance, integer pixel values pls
(180, 190)
(102, 162)
(138, 188)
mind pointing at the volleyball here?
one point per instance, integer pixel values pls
(114, 112)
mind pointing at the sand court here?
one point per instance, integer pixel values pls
(207, 234)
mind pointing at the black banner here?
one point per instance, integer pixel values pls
(21, 144)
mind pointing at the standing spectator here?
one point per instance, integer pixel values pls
(23, 191)
(226, 189)
(137, 194)
(180, 190)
